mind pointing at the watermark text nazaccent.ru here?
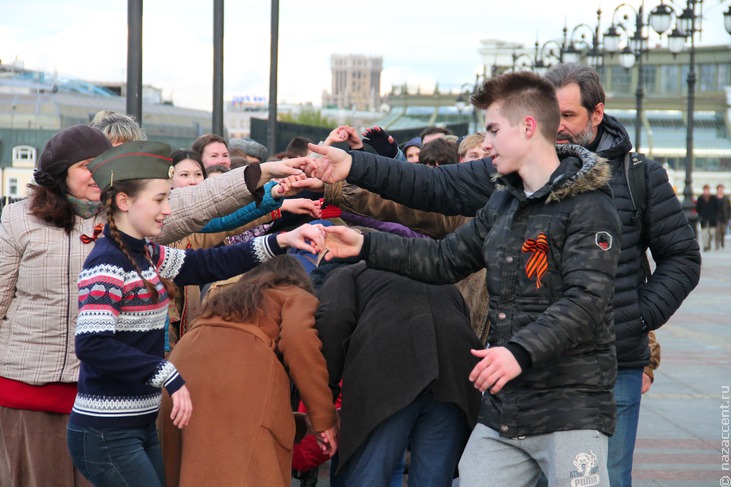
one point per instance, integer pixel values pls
(725, 435)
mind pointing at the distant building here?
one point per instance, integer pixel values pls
(356, 82)
(240, 110)
(664, 116)
(35, 105)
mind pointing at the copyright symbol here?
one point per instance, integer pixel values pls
(725, 481)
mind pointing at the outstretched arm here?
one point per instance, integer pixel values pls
(455, 189)
(436, 262)
(194, 206)
(248, 213)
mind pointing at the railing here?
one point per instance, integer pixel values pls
(6, 200)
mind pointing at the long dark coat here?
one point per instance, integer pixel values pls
(390, 339)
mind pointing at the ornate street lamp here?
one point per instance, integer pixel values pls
(540, 61)
(466, 91)
(463, 99)
(575, 48)
(687, 24)
(684, 25)
(636, 47)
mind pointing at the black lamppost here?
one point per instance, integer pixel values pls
(273, 79)
(539, 62)
(575, 48)
(687, 24)
(466, 91)
(134, 59)
(636, 47)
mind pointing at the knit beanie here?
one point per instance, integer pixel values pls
(250, 148)
(66, 148)
(415, 142)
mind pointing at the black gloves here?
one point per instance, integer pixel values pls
(381, 142)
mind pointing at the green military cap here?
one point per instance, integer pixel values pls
(140, 159)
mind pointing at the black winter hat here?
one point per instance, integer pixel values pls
(66, 148)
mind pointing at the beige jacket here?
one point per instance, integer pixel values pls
(40, 267)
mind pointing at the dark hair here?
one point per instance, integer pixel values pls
(131, 187)
(183, 154)
(439, 152)
(242, 301)
(434, 130)
(298, 145)
(236, 152)
(49, 203)
(586, 77)
(522, 93)
(239, 161)
(216, 168)
(283, 155)
(202, 141)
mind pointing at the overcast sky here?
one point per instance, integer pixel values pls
(421, 42)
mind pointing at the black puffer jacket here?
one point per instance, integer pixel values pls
(561, 316)
(462, 189)
(641, 306)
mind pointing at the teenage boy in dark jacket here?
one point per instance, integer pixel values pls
(549, 237)
(641, 302)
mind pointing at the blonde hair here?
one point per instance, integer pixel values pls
(118, 127)
(472, 140)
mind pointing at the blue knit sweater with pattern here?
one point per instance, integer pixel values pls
(120, 331)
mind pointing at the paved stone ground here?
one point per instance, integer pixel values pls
(680, 435)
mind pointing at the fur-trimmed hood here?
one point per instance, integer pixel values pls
(580, 170)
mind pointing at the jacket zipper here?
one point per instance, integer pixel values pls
(66, 341)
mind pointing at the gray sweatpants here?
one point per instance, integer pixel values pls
(574, 458)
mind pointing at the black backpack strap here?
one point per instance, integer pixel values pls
(634, 171)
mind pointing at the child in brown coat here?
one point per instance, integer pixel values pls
(238, 359)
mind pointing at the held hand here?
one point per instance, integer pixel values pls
(182, 407)
(313, 184)
(342, 242)
(286, 187)
(328, 440)
(306, 237)
(282, 169)
(353, 140)
(302, 206)
(338, 134)
(333, 165)
(497, 367)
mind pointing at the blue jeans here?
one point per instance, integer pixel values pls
(437, 431)
(627, 395)
(114, 457)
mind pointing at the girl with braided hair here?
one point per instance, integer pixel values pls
(123, 302)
